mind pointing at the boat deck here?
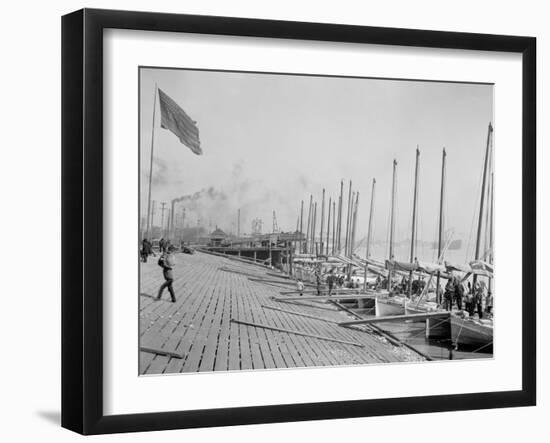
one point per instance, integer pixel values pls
(199, 331)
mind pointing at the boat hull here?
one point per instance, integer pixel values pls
(385, 307)
(471, 333)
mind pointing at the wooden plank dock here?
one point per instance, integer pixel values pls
(199, 331)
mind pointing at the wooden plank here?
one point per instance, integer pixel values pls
(160, 352)
(288, 331)
(324, 297)
(269, 348)
(300, 314)
(396, 318)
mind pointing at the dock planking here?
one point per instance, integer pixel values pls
(211, 290)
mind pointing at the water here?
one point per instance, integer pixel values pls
(414, 334)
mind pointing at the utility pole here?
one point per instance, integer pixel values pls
(153, 211)
(239, 222)
(162, 209)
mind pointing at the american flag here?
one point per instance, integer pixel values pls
(178, 122)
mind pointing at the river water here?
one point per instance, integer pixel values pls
(414, 334)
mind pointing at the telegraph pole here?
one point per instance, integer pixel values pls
(162, 209)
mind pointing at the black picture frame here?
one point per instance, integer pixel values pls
(82, 220)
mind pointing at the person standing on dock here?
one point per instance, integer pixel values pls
(300, 287)
(479, 297)
(318, 280)
(166, 262)
(449, 294)
(459, 294)
(330, 281)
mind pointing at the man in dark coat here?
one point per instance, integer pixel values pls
(167, 262)
(449, 294)
(459, 294)
(330, 281)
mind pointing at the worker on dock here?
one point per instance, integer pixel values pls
(167, 262)
(318, 280)
(469, 300)
(146, 249)
(479, 297)
(458, 293)
(490, 300)
(449, 294)
(330, 281)
(300, 287)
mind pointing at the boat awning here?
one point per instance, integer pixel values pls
(456, 267)
(431, 268)
(401, 265)
(481, 267)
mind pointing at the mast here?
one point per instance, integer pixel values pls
(348, 220)
(306, 244)
(328, 222)
(149, 221)
(301, 222)
(369, 231)
(340, 203)
(321, 243)
(414, 217)
(313, 244)
(333, 226)
(392, 221)
(481, 204)
(441, 221)
(354, 225)
(491, 238)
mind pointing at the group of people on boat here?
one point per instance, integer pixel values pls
(475, 299)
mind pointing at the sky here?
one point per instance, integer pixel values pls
(272, 140)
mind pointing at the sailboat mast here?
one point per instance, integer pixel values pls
(441, 226)
(481, 204)
(392, 221)
(328, 223)
(306, 244)
(369, 231)
(339, 228)
(491, 209)
(321, 242)
(350, 202)
(414, 217)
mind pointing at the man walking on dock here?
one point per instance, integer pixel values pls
(166, 262)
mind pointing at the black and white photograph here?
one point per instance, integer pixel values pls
(294, 221)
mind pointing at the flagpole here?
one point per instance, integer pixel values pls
(151, 167)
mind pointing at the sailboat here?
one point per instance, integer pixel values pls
(471, 331)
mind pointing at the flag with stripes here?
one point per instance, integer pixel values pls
(175, 119)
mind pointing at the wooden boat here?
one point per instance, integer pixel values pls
(389, 306)
(472, 333)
